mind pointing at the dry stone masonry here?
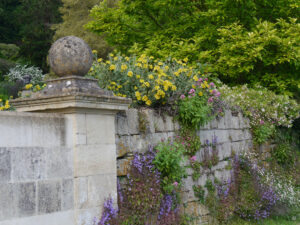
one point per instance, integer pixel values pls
(137, 129)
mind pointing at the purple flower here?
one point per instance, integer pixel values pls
(193, 158)
(212, 84)
(210, 100)
(192, 91)
(108, 213)
(182, 96)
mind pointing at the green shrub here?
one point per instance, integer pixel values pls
(169, 161)
(263, 132)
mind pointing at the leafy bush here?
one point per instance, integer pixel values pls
(25, 74)
(147, 81)
(195, 109)
(261, 105)
(169, 162)
(263, 132)
(245, 42)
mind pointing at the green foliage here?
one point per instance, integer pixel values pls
(148, 81)
(190, 140)
(248, 41)
(75, 15)
(262, 106)
(194, 112)
(267, 55)
(169, 162)
(199, 193)
(263, 132)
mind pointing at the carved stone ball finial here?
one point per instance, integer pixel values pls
(70, 56)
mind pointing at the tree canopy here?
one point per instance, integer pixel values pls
(245, 41)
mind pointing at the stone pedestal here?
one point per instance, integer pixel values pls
(90, 133)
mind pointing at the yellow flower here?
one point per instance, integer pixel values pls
(127, 58)
(151, 57)
(200, 93)
(124, 96)
(195, 78)
(130, 73)
(145, 66)
(113, 83)
(123, 67)
(135, 88)
(160, 63)
(100, 60)
(116, 58)
(94, 52)
(37, 87)
(150, 67)
(174, 88)
(185, 59)
(176, 74)
(166, 68)
(161, 93)
(194, 86)
(138, 95)
(142, 81)
(45, 85)
(107, 62)
(111, 55)
(150, 76)
(138, 76)
(156, 87)
(145, 98)
(119, 86)
(156, 96)
(148, 102)
(211, 91)
(112, 67)
(147, 84)
(0, 99)
(28, 86)
(203, 85)
(138, 64)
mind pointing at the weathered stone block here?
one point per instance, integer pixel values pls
(100, 187)
(87, 216)
(159, 125)
(100, 129)
(7, 202)
(223, 175)
(187, 194)
(133, 121)
(80, 192)
(168, 123)
(94, 159)
(5, 165)
(123, 166)
(224, 150)
(236, 135)
(247, 134)
(25, 194)
(28, 164)
(220, 166)
(121, 124)
(140, 143)
(49, 196)
(149, 117)
(202, 180)
(123, 145)
(67, 194)
(59, 162)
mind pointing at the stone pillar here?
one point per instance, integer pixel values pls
(90, 133)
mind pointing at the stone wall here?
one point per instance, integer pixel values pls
(136, 130)
(36, 170)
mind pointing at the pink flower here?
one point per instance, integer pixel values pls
(218, 94)
(261, 122)
(206, 79)
(200, 80)
(192, 91)
(193, 158)
(175, 183)
(210, 100)
(182, 96)
(212, 84)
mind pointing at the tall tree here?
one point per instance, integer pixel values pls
(75, 14)
(220, 32)
(35, 18)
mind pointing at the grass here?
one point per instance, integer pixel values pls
(271, 221)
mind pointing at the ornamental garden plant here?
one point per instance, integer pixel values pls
(194, 97)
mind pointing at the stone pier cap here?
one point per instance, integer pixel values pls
(71, 93)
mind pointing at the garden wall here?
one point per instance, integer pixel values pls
(36, 170)
(136, 130)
